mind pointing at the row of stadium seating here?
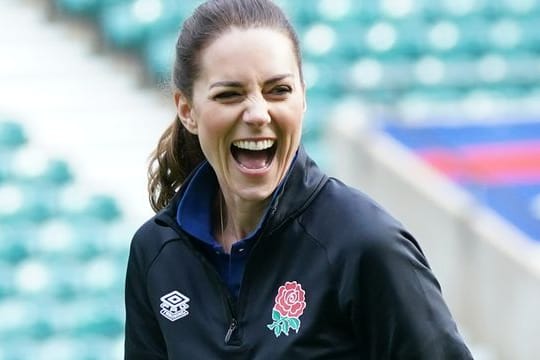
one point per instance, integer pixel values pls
(460, 74)
(134, 25)
(62, 255)
(338, 10)
(343, 54)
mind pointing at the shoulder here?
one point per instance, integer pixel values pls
(354, 229)
(341, 211)
(149, 239)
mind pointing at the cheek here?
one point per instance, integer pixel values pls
(212, 136)
(293, 125)
(290, 118)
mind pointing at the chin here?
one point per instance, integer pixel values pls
(256, 193)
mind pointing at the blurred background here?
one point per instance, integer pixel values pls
(431, 107)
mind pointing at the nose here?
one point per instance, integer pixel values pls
(256, 112)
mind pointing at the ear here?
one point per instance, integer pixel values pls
(184, 110)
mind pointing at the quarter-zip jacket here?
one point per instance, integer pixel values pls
(368, 291)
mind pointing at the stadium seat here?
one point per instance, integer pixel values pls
(128, 25)
(103, 207)
(121, 27)
(57, 173)
(158, 55)
(85, 7)
(12, 135)
(531, 35)
(13, 246)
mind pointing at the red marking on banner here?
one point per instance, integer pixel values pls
(488, 163)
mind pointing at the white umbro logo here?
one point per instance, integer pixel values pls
(174, 305)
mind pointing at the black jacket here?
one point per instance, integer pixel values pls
(368, 292)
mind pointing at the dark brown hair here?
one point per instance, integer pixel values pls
(178, 151)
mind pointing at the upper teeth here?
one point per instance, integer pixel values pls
(254, 145)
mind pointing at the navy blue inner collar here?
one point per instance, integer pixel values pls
(194, 214)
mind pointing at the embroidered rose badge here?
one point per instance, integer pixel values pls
(289, 306)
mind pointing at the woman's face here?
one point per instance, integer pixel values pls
(247, 108)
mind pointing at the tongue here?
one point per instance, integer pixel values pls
(252, 159)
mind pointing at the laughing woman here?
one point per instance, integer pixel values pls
(254, 253)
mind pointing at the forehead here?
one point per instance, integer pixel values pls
(240, 53)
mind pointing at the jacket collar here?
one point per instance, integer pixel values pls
(300, 187)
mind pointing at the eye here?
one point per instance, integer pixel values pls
(226, 95)
(281, 90)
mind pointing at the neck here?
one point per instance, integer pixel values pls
(236, 219)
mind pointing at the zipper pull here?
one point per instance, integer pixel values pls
(232, 327)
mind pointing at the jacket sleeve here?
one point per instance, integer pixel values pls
(143, 337)
(398, 311)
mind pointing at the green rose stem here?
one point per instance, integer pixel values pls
(283, 324)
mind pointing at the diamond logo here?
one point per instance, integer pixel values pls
(174, 305)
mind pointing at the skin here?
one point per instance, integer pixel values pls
(249, 88)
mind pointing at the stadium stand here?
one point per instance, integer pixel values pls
(61, 289)
(392, 54)
(425, 72)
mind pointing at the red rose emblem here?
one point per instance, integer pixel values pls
(290, 300)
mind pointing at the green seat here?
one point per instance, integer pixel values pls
(159, 54)
(131, 25)
(103, 208)
(78, 7)
(366, 11)
(57, 173)
(297, 12)
(12, 135)
(350, 42)
(531, 35)
(120, 27)
(474, 36)
(14, 248)
(411, 40)
(12, 138)
(67, 285)
(85, 7)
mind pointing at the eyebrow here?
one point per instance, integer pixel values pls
(273, 79)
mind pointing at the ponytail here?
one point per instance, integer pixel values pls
(178, 152)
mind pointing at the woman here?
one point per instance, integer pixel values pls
(254, 252)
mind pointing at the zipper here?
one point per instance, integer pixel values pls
(230, 331)
(230, 305)
(233, 326)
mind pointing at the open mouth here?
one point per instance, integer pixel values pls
(254, 154)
